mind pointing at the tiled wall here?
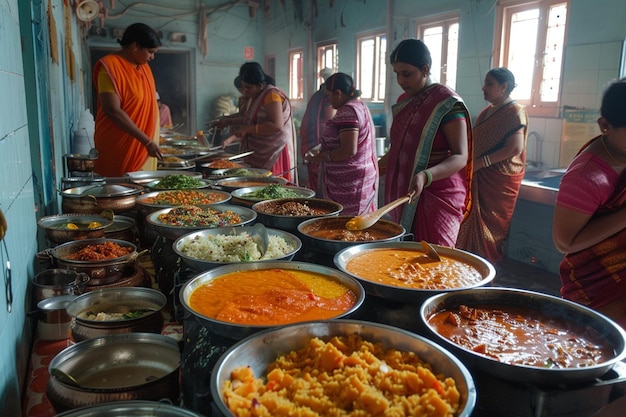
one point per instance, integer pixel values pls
(16, 202)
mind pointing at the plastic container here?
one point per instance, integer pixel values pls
(83, 135)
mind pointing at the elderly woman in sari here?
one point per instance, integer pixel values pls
(500, 134)
(589, 224)
(267, 126)
(431, 150)
(348, 161)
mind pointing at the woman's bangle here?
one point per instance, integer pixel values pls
(429, 177)
(145, 145)
(486, 161)
(256, 128)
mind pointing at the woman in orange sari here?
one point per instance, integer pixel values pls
(431, 150)
(589, 224)
(500, 134)
(127, 119)
(268, 124)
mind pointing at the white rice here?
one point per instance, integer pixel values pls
(233, 248)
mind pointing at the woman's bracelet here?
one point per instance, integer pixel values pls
(429, 177)
(486, 161)
(145, 145)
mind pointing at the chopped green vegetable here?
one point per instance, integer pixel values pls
(272, 192)
(178, 182)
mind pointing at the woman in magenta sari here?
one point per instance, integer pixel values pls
(268, 128)
(348, 161)
(500, 134)
(431, 150)
(589, 224)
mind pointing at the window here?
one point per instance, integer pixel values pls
(296, 84)
(327, 57)
(371, 66)
(442, 38)
(531, 46)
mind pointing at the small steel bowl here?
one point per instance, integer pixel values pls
(56, 230)
(174, 232)
(411, 295)
(261, 349)
(239, 331)
(201, 265)
(290, 223)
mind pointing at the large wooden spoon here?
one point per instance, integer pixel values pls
(368, 220)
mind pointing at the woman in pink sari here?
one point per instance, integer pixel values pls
(348, 167)
(431, 150)
(589, 224)
(268, 128)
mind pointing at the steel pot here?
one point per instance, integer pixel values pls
(56, 282)
(54, 322)
(133, 366)
(79, 162)
(290, 223)
(96, 198)
(123, 228)
(144, 177)
(261, 349)
(131, 409)
(57, 231)
(554, 308)
(116, 300)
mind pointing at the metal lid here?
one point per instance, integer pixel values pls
(106, 190)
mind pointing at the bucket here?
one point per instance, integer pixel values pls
(54, 323)
(380, 146)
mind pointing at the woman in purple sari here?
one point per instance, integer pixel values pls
(431, 150)
(347, 156)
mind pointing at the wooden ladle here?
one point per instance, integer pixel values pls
(367, 220)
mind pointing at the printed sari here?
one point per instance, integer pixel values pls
(596, 276)
(353, 183)
(120, 152)
(494, 188)
(276, 151)
(417, 143)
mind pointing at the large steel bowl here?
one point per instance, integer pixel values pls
(240, 172)
(146, 203)
(259, 350)
(201, 265)
(56, 227)
(548, 305)
(232, 183)
(174, 232)
(116, 300)
(156, 185)
(131, 409)
(390, 232)
(94, 199)
(239, 331)
(411, 295)
(145, 177)
(242, 195)
(132, 366)
(290, 223)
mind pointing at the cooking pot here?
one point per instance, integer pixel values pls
(239, 331)
(415, 296)
(54, 322)
(132, 366)
(123, 228)
(100, 271)
(554, 308)
(63, 228)
(146, 303)
(93, 199)
(79, 162)
(56, 282)
(131, 409)
(129, 275)
(261, 349)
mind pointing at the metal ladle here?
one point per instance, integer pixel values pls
(368, 220)
(64, 377)
(93, 152)
(259, 235)
(431, 252)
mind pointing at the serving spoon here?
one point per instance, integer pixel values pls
(367, 220)
(65, 377)
(431, 252)
(259, 235)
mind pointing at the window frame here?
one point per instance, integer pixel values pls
(297, 78)
(445, 20)
(321, 53)
(379, 80)
(505, 8)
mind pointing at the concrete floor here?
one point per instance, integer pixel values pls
(514, 274)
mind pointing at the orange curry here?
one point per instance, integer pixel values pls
(272, 297)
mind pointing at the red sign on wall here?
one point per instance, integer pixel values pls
(248, 52)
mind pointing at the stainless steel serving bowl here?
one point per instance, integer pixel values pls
(155, 185)
(411, 295)
(144, 177)
(232, 183)
(201, 265)
(388, 231)
(242, 195)
(132, 366)
(550, 306)
(290, 223)
(131, 409)
(241, 172)
(174, 232)
(94, 199)
(261, 349)
(239, 331)
(146, 204)
(56, 227)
